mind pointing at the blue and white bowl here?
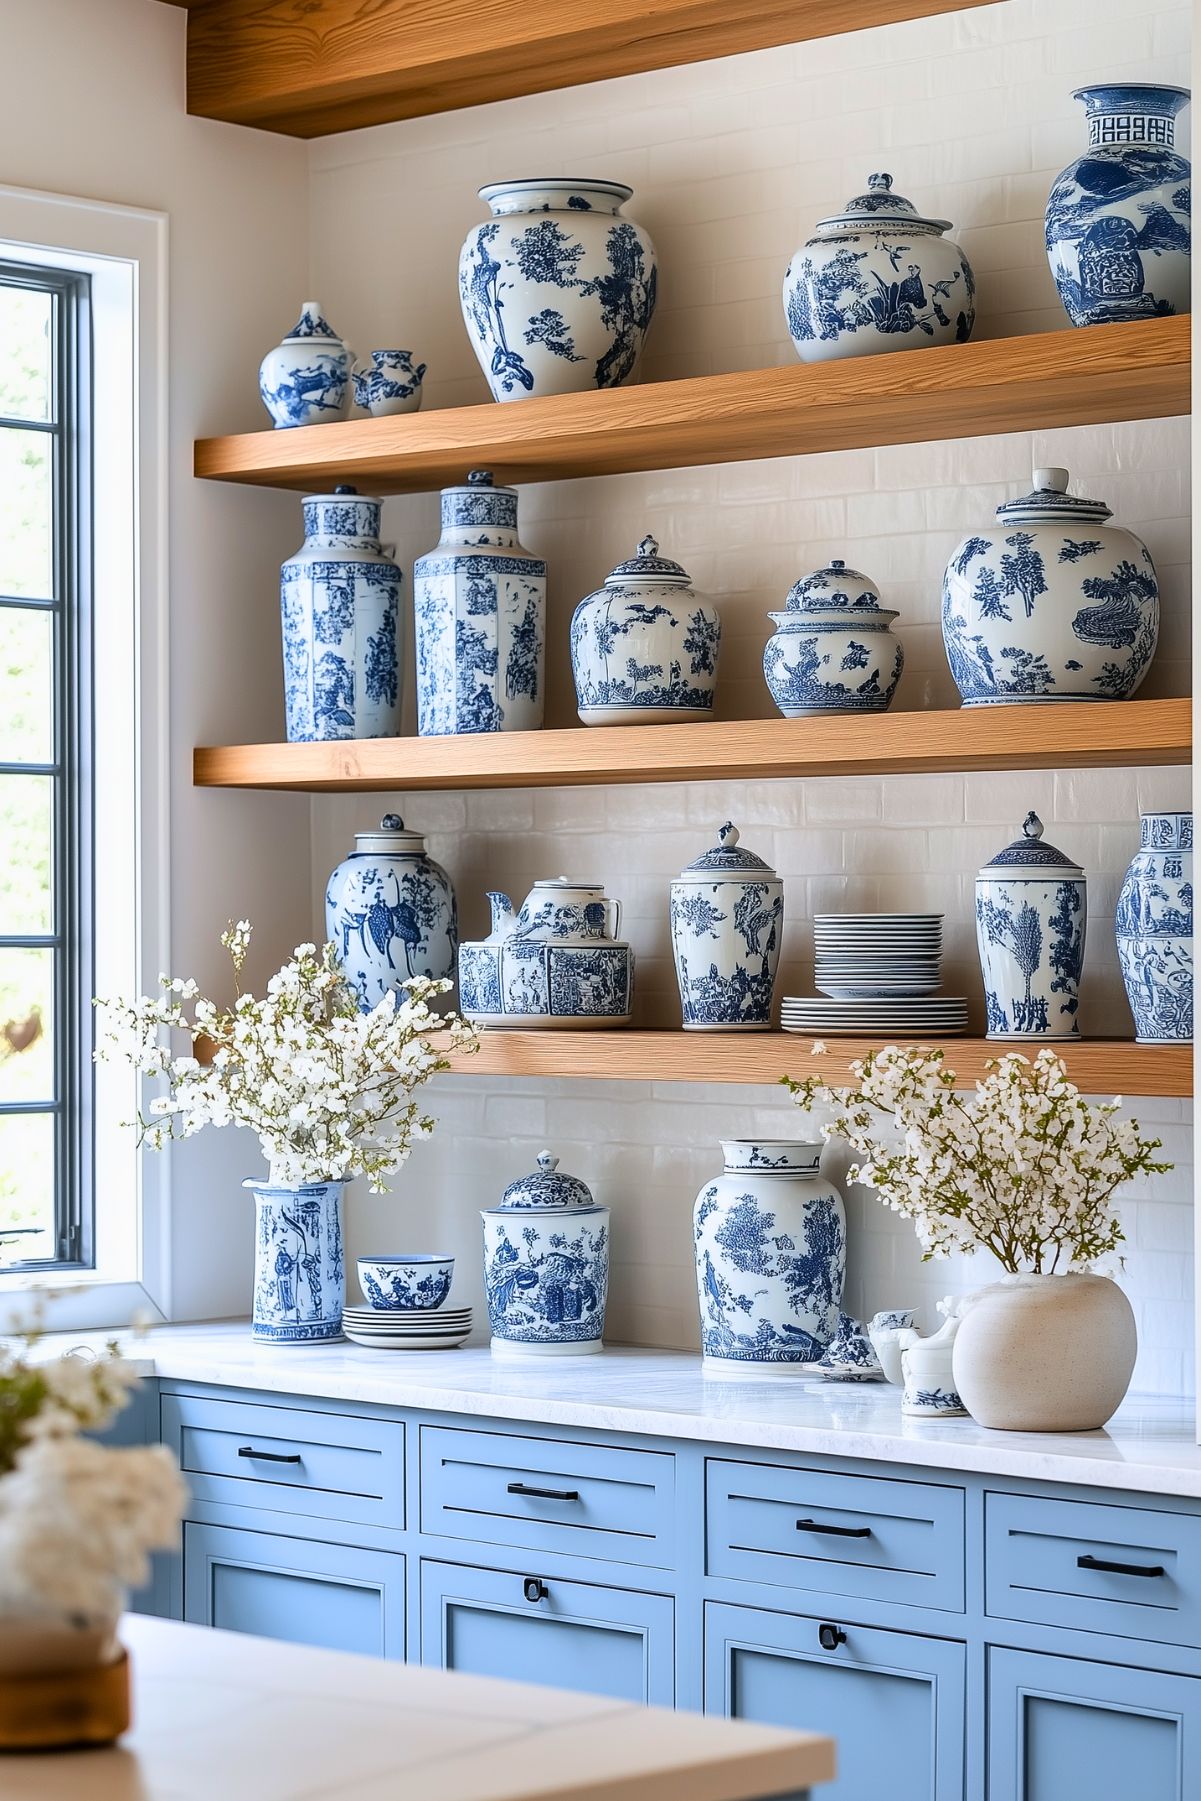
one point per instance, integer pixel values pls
(417, 1283)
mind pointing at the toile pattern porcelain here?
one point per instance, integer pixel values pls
(833, 650)
(727, 923)
(391, 385)
(546, 1266)
(644, 647)
(1031, 914)
(554, 962)
(1154, 927)
(305, 379)
(418, 1283)
(390, 911)
(299, 1267)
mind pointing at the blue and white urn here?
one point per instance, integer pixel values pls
(727, 922)
(1119, 227)
(1031, 913)
(391, 385)
(558, 289)
(1049, 604)
(546, 1266)
(479, 602)
(556, 962)
(305, 380)
(390, 911)
(833, 650)
(299, 1268)
(1154, 927)
(770, 1237)
(644, 647)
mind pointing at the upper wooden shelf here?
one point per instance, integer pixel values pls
(1086, 377)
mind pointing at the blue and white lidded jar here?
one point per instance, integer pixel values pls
(1031, 914)
(306, 378)
(878, 276)
(391, 385)
(833, 650)
(546, 1266)
(727, 921)
(479, 601)
(556, 962)
(340, 599)
(299, 1269)
(644, 647)
(1050, 604)
(1154, 926)
(1119, 229)
(390, 911)
(770, 1237)
(557, 288)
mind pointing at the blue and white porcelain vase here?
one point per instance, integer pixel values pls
(833, 650)
(340, 600)
(390, 911)
(479, 600)
(1049, 604)
(305, 380)
(1154, 927)
(644, 647)
(554, 963)
(299, 1270)
(727, 922)
(557, 288)
(546, 1266)
(1119, 229)
(878, 276)
(1031, 913)
(391, 385)
(770, 1237)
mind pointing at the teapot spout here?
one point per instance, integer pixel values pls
(503, 916)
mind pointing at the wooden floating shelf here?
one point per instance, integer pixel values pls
(1049, 379)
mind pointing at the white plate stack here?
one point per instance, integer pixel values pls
(433, 1329)
(877, 972)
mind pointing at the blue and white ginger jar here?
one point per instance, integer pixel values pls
(1050, 604)
(546, 1266)
(878, 276)
(299, 1268)
(479, 602)
(833, 650)
(305, 380)
(556, 962)
(391, 385)
(557, 288)
(770, 1237)
(644, 647)
(390, 912)
(1031, 913)
(340, 600)
(1154, 927)
(727, 922)
(1119, 229)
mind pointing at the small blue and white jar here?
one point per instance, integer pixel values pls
(1154, 928)
(727, 923)
(305, 380)
(390, 912)
(299, 1268)
(546, 1266)
(391, 385)
(833, 650)
(1031, 913)
(644, 647)
(479, 601)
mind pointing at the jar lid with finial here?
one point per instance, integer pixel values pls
(727, 857)
(547, 1190)
(389, 839)
(1030, 855)
(833, 589)
(646, 563)
(880, 206)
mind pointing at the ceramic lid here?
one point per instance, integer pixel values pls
(313, 324)
(1049, 499)
(772, 1156)
(391, 840)
(880, 206)
(835, 588)
(546, 1188)
(343, 491)
(648, 565)
(727, 858)
(1029, 856)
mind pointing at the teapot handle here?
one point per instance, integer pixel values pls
(614, 907)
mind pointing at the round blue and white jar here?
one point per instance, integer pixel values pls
(1031, 913)
(299, 1268)
(770, 1236)
(644, 647)
(557, 289)
(390, 912)
(1119, 229)
(833, 650)
(727, 922)
(546, 1266)
(392, 384)
(1154, 927)
(305, 379)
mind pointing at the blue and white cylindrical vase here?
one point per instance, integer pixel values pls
(1154, 926)
(390, 911)
(1031, 914)
(299, 1268)
(727, 922)
(340, 598)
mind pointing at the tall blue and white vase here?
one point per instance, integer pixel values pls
(833, 649)
(340, 600)
(557, 289)
(546, 1266)
(390, 911)
(644, 647)
(479, 600)
(727, 922)
(1154, 926)
(1031, 913)
(299, 1267)
(305, 379)
(1119, 228)
(770, 1237)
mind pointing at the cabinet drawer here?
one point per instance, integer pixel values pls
(548, 1495)
(289, 1459)
(880, 1540)
(1052, 1562)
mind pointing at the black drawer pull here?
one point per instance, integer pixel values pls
(830, 1637)
(834, 1531)
(269, 1456)
(534, 1589)
(544, 1494)
(1089, 1562)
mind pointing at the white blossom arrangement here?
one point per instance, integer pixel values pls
(1025, 1167)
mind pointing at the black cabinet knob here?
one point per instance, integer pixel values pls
(830, 1637)
(534, 1589)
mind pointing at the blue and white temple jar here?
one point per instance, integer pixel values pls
(299, 1269)
(878, 276)
(546, 1266)
(1049, 604)
(390, 912)
(556, 962)
(1031, 913)
(557, 288)
(340, 599)
(727, 922)
(391, 385)
(1119, 228)
(479, 601)
(644, 647)
(1154, 927)
(305, 380)
(771, 1239)
(833, 650)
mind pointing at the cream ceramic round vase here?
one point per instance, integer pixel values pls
(1040, 1353)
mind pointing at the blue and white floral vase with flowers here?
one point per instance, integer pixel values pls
(1031, 913)
(390, 912)
(546, 1266)
(305, 380)
(644, 646)
(727, 923)
(833, 649)
(299, 1264)
(1154, 928)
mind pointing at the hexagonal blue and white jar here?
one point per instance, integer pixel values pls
(546, 1266)
(1031, 914)
(305, 379)
(833, 650)
(1154, 927)
(727, 922)
(390, 911)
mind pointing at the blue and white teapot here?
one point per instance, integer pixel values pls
(555, 961)
(546, 1266)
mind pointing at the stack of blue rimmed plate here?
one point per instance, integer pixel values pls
(876, 972)
(430, 1329)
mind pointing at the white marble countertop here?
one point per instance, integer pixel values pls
(222, 1714)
